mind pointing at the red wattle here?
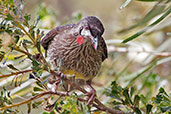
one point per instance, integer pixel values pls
(79, 40)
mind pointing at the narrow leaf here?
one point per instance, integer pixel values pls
(132, 91)
(12, 67)
(1, 55)
(148, 27)
(19, 57)
(141, 73)
(148, 0)
(165, 109)
(156, 10)
(9, 17)
(125, 4)
(148, 108)
(37, 89)
(126, 94)
(136, 100)
(137, 111)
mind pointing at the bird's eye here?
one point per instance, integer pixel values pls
(86, 28)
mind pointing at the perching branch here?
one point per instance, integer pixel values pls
(97, 103)
(15, 73)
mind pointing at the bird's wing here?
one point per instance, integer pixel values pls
(104, 49)
(51, 34)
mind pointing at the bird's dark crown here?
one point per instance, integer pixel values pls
(94, 24)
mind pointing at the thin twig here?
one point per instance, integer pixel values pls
(33, 98)
(15, 73)
(22, 28)
(126, 50)
(22, 51)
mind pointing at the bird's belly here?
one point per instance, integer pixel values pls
(77, 75)
(81, 61)
(81, 69)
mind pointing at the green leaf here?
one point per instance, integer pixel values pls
(115, 87)
(156, 10)
(132, 91)
(137, 111)
(136, 100)
(115, 91)
(56, 107)
(39, 84)
(32, 32)
(9, 17)
(36, 104)
(161, 90)
(10, 1)
(36, 65)
(38, 45)
(37, 89)
(52, 112)
(115, 96)
(148, 27)
(116, 103)
(27, 17)
(38, 32)
(143, 99)
(165, 108)
(1, 55)
(126, 94)
(148, 108)
(17, 38)
(9, 94)
(12, 67)
(141, 73)
(158, 99)
(27, 41)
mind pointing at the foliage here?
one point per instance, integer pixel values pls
(20, 43)
(160, 8)
(138, 103)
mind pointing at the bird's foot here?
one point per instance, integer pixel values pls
(54, 86)
(57, 85)
(62, 76)
(91, 96)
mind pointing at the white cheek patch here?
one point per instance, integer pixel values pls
(85, 32)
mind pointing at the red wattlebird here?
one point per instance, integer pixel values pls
(80, 47)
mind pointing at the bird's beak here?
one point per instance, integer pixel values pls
(95, 42)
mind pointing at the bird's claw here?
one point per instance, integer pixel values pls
(63, 76)
(90, 97)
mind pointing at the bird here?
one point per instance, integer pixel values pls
(79, 47)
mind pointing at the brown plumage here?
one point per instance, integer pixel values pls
(82, 59)
(80, 47)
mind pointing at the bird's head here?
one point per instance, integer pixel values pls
(90, 27)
